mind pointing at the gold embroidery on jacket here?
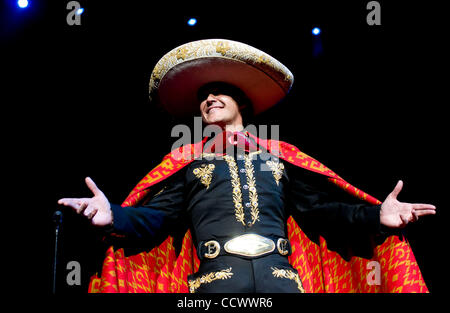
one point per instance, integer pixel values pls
(204, 173)
(235, 183)
(282, 273)
(277, 170)
(250, 171)
(237, 194)
(208, 278)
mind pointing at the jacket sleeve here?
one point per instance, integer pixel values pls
(162, 215)
(349, 225)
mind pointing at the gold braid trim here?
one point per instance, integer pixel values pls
(250, 171)
(236, 184)
(237, 194)
(281, 273)
(208, 278)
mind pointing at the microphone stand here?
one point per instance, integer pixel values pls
(57, 219)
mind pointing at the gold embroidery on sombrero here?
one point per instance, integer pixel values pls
(224, 49)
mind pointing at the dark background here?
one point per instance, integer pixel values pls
(368, 106)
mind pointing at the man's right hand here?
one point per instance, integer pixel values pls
(97, 209)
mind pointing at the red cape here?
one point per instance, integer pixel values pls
(395, 268)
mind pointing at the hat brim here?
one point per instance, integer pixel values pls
(182, 72)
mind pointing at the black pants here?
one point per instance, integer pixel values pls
(231, 274)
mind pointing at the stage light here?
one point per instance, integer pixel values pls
(80, 11)
(316, 31)
(192, 21)
(22, 4)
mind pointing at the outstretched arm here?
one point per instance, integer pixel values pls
(97, 209)
(396, 214)
(153, 220)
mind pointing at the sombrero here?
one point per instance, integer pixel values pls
(180, 73)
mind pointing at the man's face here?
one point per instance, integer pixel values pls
(220, 109)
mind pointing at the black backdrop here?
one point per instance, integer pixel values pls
(368, 106)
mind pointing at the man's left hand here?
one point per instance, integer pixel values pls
(396, 214)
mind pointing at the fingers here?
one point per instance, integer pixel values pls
(90, 211)
(408, 218)
(78, 204)
(82, 207)
(422, 206)
(424, 212)
(67, 202)
(74, 203)
(419, 209)
(92, 186)
(397, 189)
(405, 220)
(414, 214)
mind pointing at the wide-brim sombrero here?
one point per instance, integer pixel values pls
(180, 73)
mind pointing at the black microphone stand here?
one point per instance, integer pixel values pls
(57, 219)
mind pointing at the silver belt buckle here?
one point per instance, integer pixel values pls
(249, 245)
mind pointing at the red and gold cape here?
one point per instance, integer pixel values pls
(320, 269)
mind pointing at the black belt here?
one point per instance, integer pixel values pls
(248, 246)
